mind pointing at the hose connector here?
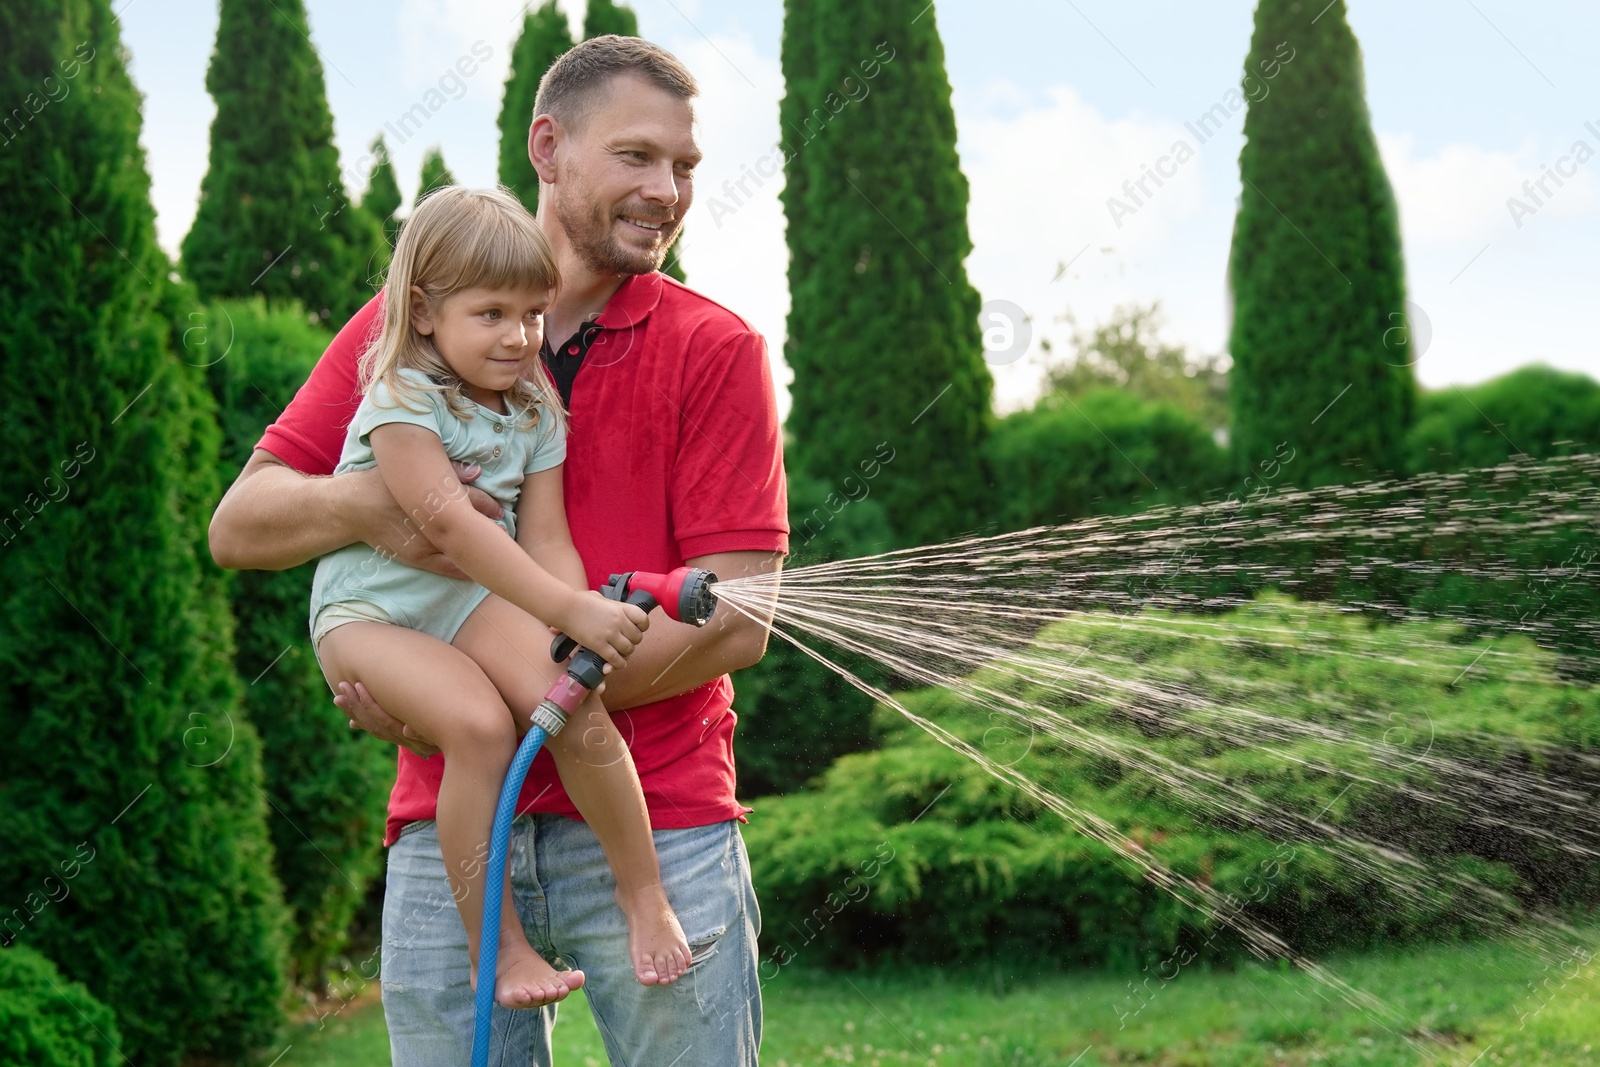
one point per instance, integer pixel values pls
(549, 717)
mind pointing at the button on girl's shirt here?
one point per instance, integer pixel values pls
(499, 427)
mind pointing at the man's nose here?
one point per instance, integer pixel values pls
(661, 185)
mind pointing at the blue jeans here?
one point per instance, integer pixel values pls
(565, 897)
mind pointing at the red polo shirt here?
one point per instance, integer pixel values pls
(674, 453)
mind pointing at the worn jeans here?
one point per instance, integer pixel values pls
(565, 896)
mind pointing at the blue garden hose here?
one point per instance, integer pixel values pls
(685, 594)
(493, 893)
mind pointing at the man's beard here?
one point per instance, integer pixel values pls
(591, 232)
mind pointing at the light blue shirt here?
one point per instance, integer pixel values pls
(421, 599)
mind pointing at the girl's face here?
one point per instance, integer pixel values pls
(488, 337)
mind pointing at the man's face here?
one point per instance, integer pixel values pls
(627, 178)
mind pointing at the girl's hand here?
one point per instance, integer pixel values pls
(608, 628)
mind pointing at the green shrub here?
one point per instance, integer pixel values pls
(47, 1020)
(913, 851)
(1105, 452)
(1536, 411)
(327, 784)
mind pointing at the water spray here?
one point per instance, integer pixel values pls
(684, 595)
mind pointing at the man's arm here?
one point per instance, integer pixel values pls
(273, 518)
(675, 657)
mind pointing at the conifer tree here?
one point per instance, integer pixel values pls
(545, 35)
(327, 784)
(606, 16)
(434, 174)
(883, 332)
(382, 199)
(274, 217)
(130, 779)
(1320, 341)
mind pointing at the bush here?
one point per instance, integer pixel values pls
(1105, 452)
(46, 1020)
(327, 784)
(912, 851)
(1536, 411)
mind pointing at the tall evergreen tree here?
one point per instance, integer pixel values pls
(274, 217)
(1320, 341)
(382, 199)
(883, 325)
(134, 832)
(434, 174)
(605, 16)
(545, 35)
(327, 785)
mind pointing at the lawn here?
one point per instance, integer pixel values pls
(1485, 1003)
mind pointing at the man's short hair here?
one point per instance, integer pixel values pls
(579, 80)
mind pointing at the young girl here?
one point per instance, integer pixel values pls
(455, 375)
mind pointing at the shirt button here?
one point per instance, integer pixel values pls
(496, 452)
(499, 427)
(572, 350)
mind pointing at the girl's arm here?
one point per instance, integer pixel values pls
(542, 527)
(415, 468)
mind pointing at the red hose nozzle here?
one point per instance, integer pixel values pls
(684, 594)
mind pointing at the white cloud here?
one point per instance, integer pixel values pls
(1041, 178)
(1460, 194)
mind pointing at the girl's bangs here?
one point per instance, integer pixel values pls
(503, 253)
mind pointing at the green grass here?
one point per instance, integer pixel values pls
(1474, 997)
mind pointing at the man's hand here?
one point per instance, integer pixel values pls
(365, 714)
(396, 536)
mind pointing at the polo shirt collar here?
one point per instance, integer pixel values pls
(633, 302)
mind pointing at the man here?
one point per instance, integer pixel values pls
(674, 457)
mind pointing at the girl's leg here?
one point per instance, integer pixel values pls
(598, 774)
(435, 688)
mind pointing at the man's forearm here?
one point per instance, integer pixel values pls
(675, 658)
(273, 518)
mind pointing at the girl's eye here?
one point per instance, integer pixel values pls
(493, 314)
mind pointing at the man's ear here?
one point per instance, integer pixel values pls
(543, 137)
(421, 312)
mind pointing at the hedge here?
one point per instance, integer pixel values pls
(913, 852)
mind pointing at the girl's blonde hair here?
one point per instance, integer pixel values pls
(459, 239)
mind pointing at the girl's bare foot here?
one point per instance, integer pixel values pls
(656, 944)
(524, 980)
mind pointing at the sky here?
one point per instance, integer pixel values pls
(1057, 105)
